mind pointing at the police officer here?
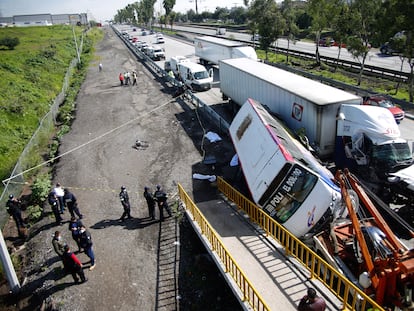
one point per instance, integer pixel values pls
(71, 203)
(54, 204)
(14, 209)
(150, 202)
(123, 196)
(161, 197)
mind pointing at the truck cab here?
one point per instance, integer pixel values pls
(195, 76)
(369, 138)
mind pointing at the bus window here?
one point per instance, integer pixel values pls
(291, 193)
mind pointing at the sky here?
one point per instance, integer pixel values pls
(100, 10)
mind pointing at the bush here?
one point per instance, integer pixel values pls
(34, 213)
(40, 189)
(11, 43)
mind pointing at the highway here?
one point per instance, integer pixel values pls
(175, 47)
(375, 58)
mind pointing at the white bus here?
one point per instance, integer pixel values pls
(283, 177)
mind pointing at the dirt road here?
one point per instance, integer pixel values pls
(140, 264)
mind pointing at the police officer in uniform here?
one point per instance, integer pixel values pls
(150, 202)
(14, 209)
(123, 196)
(71, 203)
(161, 197)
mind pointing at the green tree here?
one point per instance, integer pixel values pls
(320, 10)
(238, 15)
(168, 6)
(171, 18)
(401, 16)
(363, 20)
(292, 29)
(342, 24)
(267, 19)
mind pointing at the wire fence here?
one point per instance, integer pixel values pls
(31, 154)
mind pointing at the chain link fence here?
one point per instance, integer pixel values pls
(31, 159)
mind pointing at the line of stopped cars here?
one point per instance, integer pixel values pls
(155, 52)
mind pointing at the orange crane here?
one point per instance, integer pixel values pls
(380, 254)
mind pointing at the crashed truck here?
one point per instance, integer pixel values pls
(332, 214)
(333, 122)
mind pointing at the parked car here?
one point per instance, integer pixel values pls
(383, 101)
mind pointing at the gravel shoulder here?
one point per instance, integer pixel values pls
(140, 264)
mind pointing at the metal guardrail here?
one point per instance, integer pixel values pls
(250, 295)
(352, 297)
(208, 113)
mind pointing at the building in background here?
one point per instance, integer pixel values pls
(44, 20)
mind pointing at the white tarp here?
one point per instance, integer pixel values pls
(210, 178)
(212, 137)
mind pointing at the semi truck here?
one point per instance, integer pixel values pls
(332, 122)
(211, 50)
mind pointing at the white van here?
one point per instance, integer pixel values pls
(172, 64)
(195, 76)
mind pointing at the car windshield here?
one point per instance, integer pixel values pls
(391, 156)
(201, 75)
(385, 103)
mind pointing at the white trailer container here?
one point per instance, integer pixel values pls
(304, 104)
(212, 49)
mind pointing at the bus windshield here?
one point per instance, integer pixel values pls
(290, 193)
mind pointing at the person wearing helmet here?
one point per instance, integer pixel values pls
(123, 196)
(150, 202)
(161, 199)
(14, 209)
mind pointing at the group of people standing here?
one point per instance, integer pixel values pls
(125, 78)
(159, 197)
(71, 262)
(59, 198)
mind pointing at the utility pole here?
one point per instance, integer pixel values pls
(8, 266)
